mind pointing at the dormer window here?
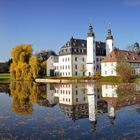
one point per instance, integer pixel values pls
(67, 44)
(83, 44)
(74, 44)
(126, 57)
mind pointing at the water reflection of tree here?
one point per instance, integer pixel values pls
(4, 87)
(125, 91)
(24, 94)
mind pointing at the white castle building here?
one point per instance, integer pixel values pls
(80, 57)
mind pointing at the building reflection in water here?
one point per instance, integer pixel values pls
(85, 100)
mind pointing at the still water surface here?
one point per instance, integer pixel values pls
(32, 111)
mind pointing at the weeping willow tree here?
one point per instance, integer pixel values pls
(24, 66)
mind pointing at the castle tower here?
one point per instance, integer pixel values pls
(109, 42)
(91, 53)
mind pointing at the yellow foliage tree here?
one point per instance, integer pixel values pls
(20, 67)
(25, 66)
(34, 66)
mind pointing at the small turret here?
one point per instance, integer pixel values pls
(90, 31)
(109, 35)
(136, 48)
(109, 42)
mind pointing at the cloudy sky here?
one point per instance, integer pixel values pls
(48, 24)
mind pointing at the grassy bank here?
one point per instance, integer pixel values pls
(136, 79)
(4, 77)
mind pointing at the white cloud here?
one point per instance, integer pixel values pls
(132, 2)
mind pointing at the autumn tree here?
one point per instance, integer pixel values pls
(20, 68)
(125, 71)
(34, 67)
(25, 66)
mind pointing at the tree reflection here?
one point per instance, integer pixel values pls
(24, 94)
(4, 87)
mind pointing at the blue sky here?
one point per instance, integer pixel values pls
(48, 24)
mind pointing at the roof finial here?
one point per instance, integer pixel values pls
(109, 25)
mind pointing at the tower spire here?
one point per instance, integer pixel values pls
(90, 31)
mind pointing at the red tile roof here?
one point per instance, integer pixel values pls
(122, 55)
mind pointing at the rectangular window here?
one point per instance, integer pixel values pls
(105, 72)
(112, 72)
(76, 73)
(83, 59)
(105, 64)
(84, 98)
(97, 59)
(75, 66)
(75, 58)
(68, 59)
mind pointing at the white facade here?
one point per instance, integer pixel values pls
(108, 68)
(70, 65)
(50, 65)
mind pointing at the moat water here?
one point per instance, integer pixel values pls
(30, 111)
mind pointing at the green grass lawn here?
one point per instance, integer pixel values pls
(4, 75)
